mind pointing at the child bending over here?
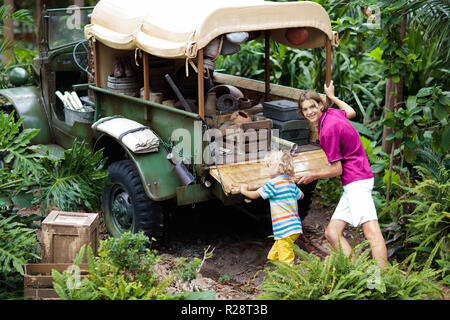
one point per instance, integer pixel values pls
(283, 195)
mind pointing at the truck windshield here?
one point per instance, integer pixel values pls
(66, 26)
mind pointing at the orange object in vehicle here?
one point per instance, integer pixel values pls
(296, 36)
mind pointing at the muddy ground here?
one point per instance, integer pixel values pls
(240, 242)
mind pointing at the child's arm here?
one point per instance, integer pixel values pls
(249, 194)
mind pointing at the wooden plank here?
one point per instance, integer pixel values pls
(37, 268)
(41, 274)
(288, 93)
(254, 172)
(39, 293)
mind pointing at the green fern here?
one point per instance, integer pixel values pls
(76, 179)
(17, 245)
(337, 278)
(429, 222)
(15, 147)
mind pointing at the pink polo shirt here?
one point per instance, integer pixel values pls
(340, 141)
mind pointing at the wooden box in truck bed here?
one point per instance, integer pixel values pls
(254, 173)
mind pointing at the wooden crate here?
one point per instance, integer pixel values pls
(63, 234)
(246, 141)
(38, 280)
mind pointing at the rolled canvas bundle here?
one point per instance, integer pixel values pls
(135, 136)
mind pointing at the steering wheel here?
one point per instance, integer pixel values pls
(81, 57)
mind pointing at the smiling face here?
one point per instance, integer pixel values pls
(312, 110)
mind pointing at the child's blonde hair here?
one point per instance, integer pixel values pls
(283, 160)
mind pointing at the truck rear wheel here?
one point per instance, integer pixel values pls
(126, 206)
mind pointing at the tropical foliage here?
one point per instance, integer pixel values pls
(340, 278)
(123, 270)
(29, 176)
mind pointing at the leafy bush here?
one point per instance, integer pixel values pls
(123, 270)
(120, 272)
(75, 179)
(421, 211)
(424, 121)
(337, 277)
(17, 243)
(429, 222)
(187, 271)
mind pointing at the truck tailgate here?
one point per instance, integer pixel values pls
(253, 173)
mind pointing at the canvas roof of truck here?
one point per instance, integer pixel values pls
(179, 28)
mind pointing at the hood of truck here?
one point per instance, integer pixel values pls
(232, 176)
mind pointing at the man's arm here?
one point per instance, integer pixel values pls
(333, 170)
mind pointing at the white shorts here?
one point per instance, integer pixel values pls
(356, 205)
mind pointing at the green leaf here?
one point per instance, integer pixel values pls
(411, 102)
(424, 92)
(408, 121)
(445, 139)
(23, 199)
(203, 295)
(377, 168)
(396, 78)
(440, 112)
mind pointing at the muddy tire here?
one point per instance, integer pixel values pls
(126, 206)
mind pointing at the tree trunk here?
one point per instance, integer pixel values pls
(393, 98)
(8, 29)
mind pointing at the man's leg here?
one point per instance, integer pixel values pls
(334, 235)
(372, 232)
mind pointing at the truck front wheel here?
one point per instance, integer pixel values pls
(126, 206)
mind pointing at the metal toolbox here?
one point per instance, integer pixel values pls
(296, 131)
(282, 110)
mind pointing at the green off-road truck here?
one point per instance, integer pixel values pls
(137, 78)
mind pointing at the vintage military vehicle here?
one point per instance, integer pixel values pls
(175, 131)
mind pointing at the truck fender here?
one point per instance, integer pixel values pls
(28, 105)
(156, 172)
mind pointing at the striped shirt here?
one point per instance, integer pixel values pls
(283, 195)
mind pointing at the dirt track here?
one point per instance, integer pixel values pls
(240, 244)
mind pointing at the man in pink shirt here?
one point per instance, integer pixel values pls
(347, 158)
